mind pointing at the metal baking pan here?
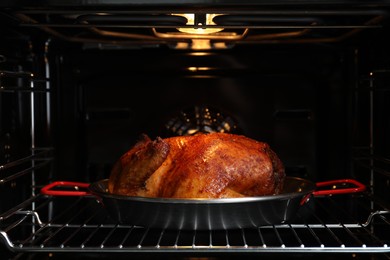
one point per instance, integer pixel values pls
(206, 214)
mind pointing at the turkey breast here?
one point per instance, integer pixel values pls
(208, 166)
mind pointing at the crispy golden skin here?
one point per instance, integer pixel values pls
(215, 165)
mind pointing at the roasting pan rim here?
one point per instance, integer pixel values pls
(303, 187)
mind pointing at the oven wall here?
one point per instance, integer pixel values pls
(295, 98)
(304, 100)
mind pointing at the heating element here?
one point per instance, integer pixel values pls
(154, 25)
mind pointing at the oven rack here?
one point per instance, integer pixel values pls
(341, 223)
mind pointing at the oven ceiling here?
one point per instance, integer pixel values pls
(106, 23)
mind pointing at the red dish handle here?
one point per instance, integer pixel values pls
(49, 189)
(358, 187)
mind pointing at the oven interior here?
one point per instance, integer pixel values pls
(81, 81)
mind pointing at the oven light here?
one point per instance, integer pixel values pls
(194, 69)
(198, 27)
(198, 53)
(200, 44)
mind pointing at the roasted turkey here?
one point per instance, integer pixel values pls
(214, 165)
